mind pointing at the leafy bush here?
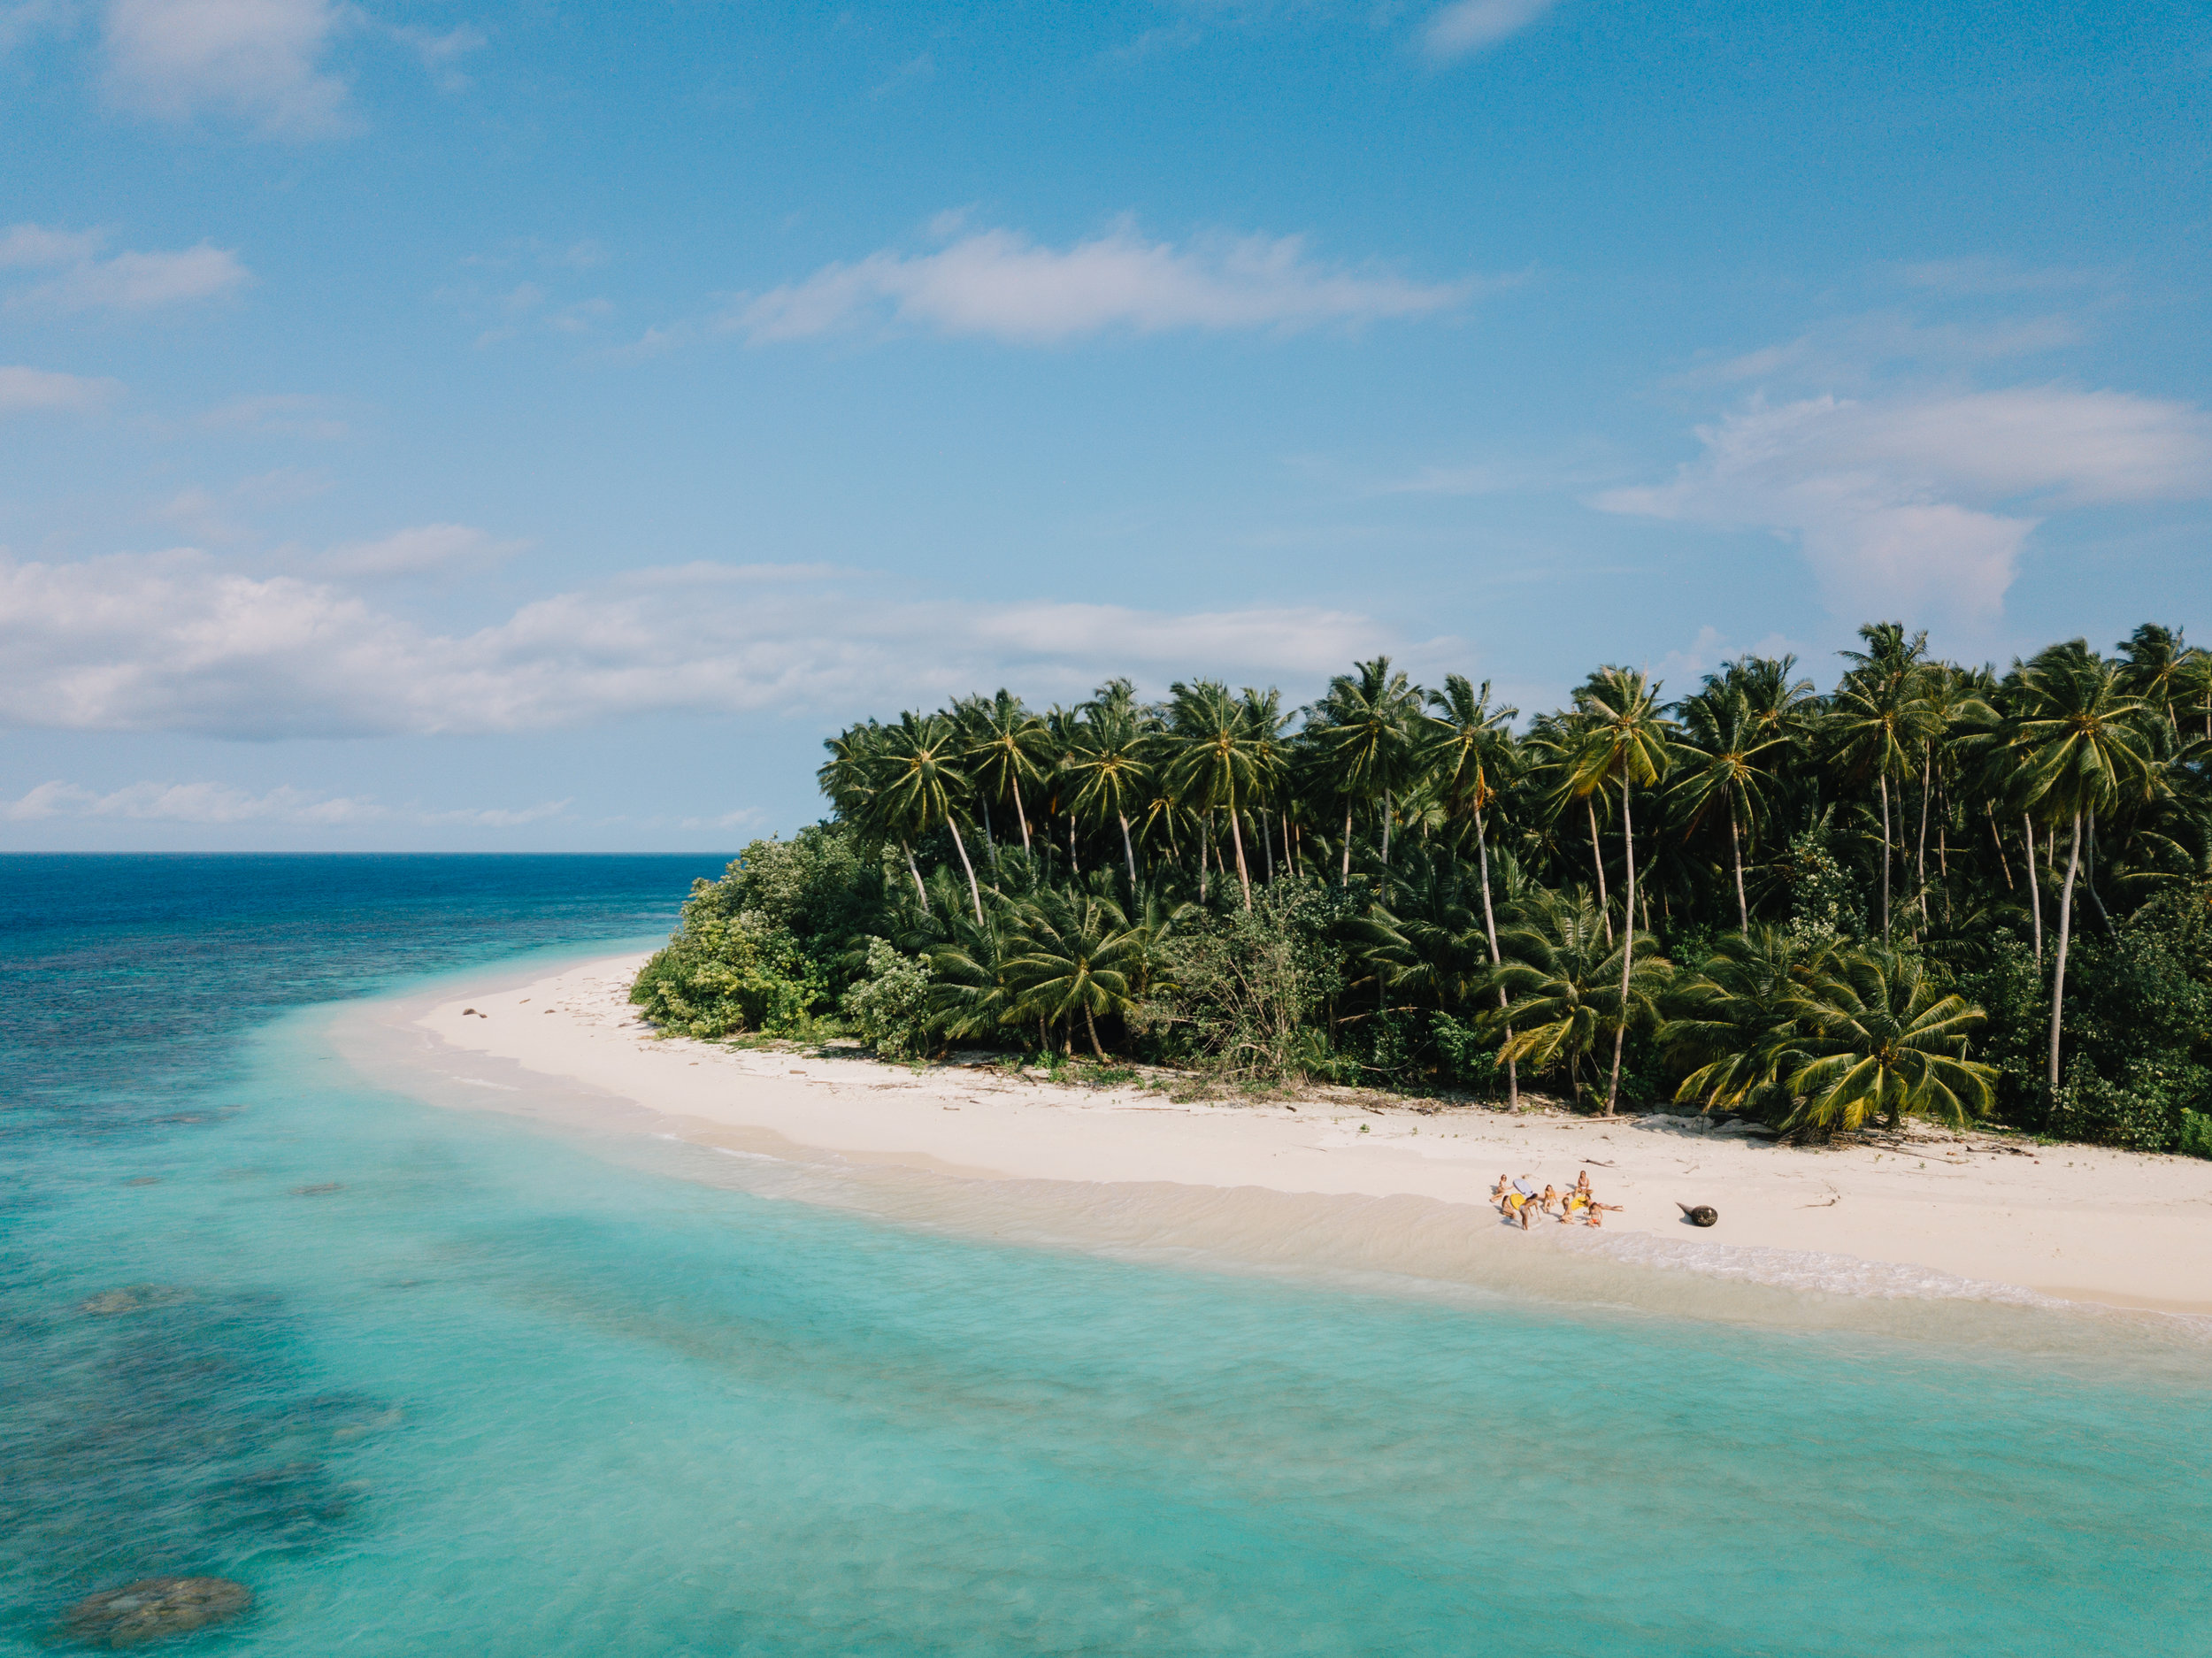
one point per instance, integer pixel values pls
(888, 1004)
(2146, 1109)
(719, 975)
(2139, 1028)
(2196, 1135)
(1234, 988)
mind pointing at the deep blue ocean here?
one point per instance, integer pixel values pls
(435, 1381)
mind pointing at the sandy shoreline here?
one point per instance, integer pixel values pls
(2069, 1222)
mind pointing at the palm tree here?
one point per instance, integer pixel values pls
(2157, 669)
(1881, 717)
(919, 788)
(1720, 749)
(1004, 749)
(1568, 984)
(1470, 754)
(1110, 767)
(1782, 703)
(1734, 1019)
(1879, 1034)
(1627, 743)
(1079, 954)
(1264, 719)
(1554, 742)
(1362, 734)
(2082, 749)
(1217, 760)
(971, 991)
(1428, 943)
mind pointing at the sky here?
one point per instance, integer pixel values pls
(434, 425)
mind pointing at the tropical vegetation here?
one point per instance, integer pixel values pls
(1930, 891)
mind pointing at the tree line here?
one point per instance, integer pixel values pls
(1931, 889)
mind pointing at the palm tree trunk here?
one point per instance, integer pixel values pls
(990, 841)
(1073, 870)
(2004, 863)
(1882, 778)
(975, 892)
(2089, 880)
(1628, 949)
(1022, 812)
(1490, 926)
(1128, 850)
(1927, 770)
(1237, 835)
(2058, 978)
(1091, 1025)
(1289, 863)
(1735, 846)
(1605, 908)
(1267, 843)
(2035, 892)
(920, 890)
(1346, 880)
(1386, 828)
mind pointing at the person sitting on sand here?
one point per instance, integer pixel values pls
(1576, 1204)
(1552, 1198)
(1517, 1202)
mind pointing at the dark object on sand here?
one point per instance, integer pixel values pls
(155, 1607)
(1703, 1214)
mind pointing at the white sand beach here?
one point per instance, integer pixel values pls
(2069, 1222)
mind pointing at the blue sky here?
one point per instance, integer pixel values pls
(441, 425)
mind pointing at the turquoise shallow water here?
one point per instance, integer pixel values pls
(437, 1382)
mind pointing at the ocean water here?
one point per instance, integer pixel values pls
(435, 1380)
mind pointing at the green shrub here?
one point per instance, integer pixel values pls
(888, 1004)
(1234, 988)
(2196, 1134)
(2148, 1108)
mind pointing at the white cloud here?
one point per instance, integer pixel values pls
(439, 53)
(1000, 283)
(1913, 502)
(223, 804)
(128, 281)
(1472, 26)
(276, 414)
(1849, 351)
(258, 59)
(33, 247)
(175, 641)
(419, 550)
(227, 517)
(27, 390)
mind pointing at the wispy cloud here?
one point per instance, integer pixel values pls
(177, 641)
(442, 50)
(276, 414)
(1467, 26)
(1002, 285)
(258, 60)
(204, 803)
(127, 282)
(1926, 500)
(39, 390)
(423, 550)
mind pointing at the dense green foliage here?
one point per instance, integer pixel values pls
(1932, 891)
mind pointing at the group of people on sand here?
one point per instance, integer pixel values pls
(1515, 1199)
